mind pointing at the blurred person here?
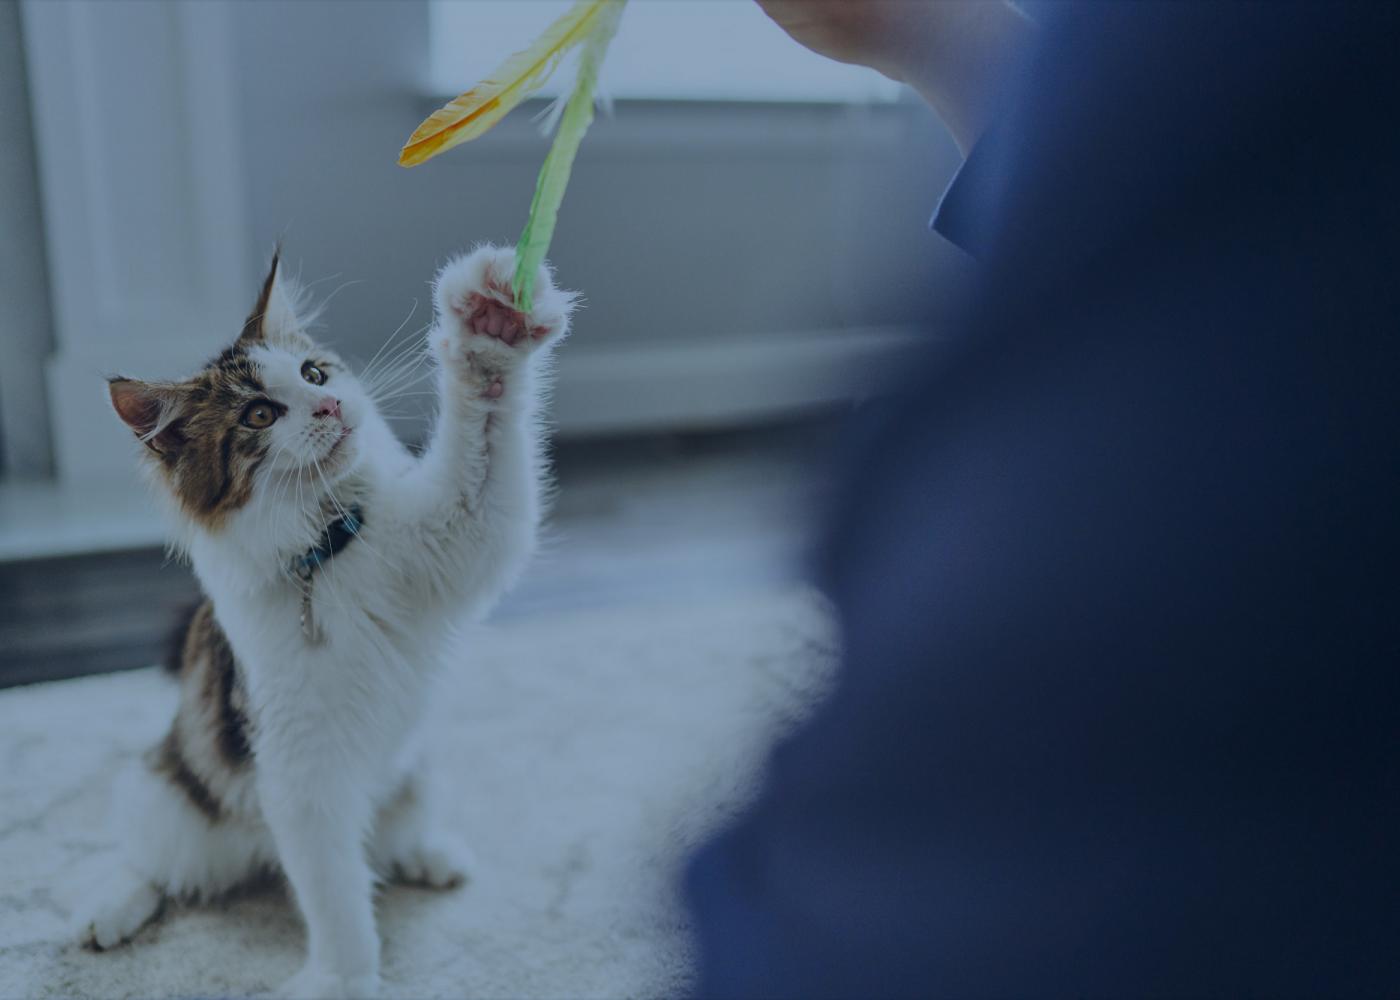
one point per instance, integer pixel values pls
(1117, 571)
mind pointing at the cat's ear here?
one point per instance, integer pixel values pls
(275, 312)
(152, 411)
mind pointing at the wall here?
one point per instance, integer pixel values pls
(26, 328)
(739, 261)
(685, 224)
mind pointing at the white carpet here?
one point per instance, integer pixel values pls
(585, 754)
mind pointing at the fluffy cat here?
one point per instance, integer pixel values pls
(333, 561)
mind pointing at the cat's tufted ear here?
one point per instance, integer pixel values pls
(152, 411)
(275, 312)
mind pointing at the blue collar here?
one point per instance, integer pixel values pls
(336, 535)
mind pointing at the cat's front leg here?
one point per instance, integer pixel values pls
(478, 486)
(488, 356)
(318, 820)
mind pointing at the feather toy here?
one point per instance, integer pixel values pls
(590, 24)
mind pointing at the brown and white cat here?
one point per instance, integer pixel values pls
(333, 562)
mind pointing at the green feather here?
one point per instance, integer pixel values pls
(554, 175)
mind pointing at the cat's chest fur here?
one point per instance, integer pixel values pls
(359, 682)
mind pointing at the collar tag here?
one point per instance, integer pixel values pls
(334, 538)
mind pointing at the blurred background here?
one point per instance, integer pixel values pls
(748, 227)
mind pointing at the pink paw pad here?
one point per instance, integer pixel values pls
(488, 317)
(493, 318)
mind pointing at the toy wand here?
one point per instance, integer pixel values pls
(589, 24)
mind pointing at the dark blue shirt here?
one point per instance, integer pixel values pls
(1118, 577)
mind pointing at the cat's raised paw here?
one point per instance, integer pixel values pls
(490, 317)
(482, 327)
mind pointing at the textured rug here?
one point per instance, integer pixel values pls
(584, 755)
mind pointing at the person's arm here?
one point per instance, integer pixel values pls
(955, 53)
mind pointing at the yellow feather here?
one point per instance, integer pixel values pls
(474, 112)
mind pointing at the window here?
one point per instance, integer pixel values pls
(688, 50)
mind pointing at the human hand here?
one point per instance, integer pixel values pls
(955, 53)
(880, 34)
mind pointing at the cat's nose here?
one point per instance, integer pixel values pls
(327, 406)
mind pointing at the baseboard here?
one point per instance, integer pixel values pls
(724, 382)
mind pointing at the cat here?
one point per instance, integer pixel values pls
(333, 562)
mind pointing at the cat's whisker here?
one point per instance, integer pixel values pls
(268, 513)
(408, 390)
(292, 475)
(340, 508)
(369, 365)
(403, 366)
(308, 285)
(410, 385)
(340, 288)
(397, 377)
(284, 486)
(300, 507)
(293, 514)
(390, 352)
(398, 405)
(403, 357)
(274, 491)
(403, 378)
(337, 598)
(414, 385)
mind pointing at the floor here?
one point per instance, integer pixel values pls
(672, 515)
(581, 755)
(618, 710)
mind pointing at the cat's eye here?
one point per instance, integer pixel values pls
(259, 415)
(313, 374)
